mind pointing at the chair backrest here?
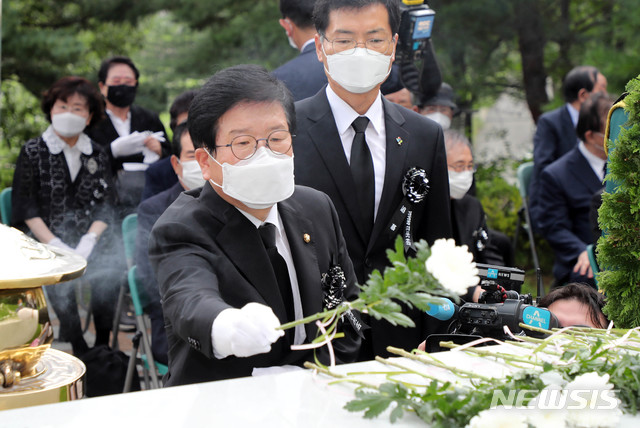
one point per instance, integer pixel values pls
(592, 259)
(129, 228)
(5, 206)
(524, 177)
(135, 293)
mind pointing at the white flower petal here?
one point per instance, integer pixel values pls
(452, 266)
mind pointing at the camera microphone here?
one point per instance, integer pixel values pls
(443, 310)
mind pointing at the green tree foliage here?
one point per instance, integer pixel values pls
(619, 216)
(487, 47)
(43, 40)
(22, 120)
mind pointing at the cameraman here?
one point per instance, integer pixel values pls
(576, 304)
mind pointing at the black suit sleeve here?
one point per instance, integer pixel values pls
(347, 348)
(436, 221)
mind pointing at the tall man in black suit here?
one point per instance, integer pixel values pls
(303, 75)
(567, 187)
(358, 147)
(247, 251)
(556, 130)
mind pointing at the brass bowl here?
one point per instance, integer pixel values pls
(25, 329)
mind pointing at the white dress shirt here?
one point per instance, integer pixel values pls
(123, 127)
(375, 135)
(55, 144)
(282, 244)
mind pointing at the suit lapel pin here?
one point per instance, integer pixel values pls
(399, 141)
(306, 238)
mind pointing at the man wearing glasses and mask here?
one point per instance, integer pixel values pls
(246, 253)
(383, 166)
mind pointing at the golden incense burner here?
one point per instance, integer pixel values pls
(25, 329)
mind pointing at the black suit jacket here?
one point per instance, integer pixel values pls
(555, 135)
(158, 177)
(468, 220)
(303, 75)
(567, 186)
(209, 257)
(412, 140)
(142, 119)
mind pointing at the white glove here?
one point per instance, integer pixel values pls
(86, 244)
(128, 145)
(57, 242)
(244, 332)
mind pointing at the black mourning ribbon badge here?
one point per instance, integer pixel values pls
(415, 187)
(334, 283)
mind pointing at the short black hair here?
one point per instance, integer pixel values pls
(582, 76)
(298, 11)
(583, 293)
(66, 87)
(180, 105)
(109, 62)
(176, 143)
(593, 114)
(323, 9)
(228, 88)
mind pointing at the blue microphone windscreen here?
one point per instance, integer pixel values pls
(536, 317)
(443, 310)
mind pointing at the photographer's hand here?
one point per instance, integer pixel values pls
(583, 266)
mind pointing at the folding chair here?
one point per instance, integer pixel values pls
(593, 262)
(151, 368)
(5, 206)
(129, 227)
(524, 220)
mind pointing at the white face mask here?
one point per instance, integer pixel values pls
(440, 118)
(360, 71)
(292, 43)
(68, 124)
(260, 181)
(459, 183)
(191, 174)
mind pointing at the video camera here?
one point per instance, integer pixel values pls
(497, 307)
(416, 23)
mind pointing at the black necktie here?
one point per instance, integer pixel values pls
(362, 172)
(268, 234)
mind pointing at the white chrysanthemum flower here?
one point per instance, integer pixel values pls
(498, 417)
(590, 381)
(552, 377)
(591, 402)
(547, 418)
(452, 266)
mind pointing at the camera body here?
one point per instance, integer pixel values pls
(416, 24)
(499, 306)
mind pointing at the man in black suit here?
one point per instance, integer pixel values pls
(469, 222)
(303, 75)
(567, 186)
(556, 130)
(363, 170)
(160, 174)
(189, 176)
(246, 252)
(118, 82)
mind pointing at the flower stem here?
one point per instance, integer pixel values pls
(434, 362)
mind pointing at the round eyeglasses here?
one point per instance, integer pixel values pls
(245, 146)
(342, 46)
